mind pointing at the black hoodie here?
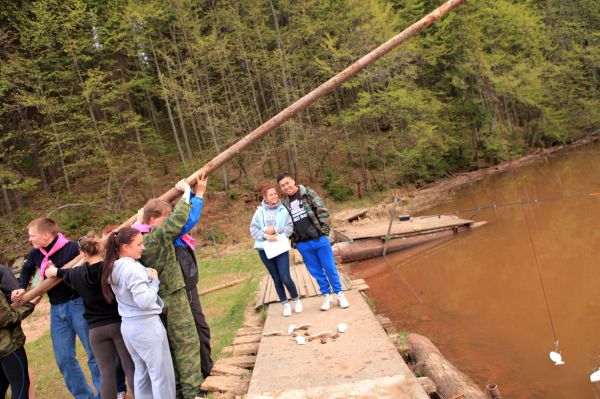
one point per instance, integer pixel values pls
(85, 280)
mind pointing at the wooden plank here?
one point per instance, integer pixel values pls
(247, 339)
(260, 294)
(228, 369)
(358, 281)
(239, 361)
(222, 395)
(246, 349)
(416, 225)
(228, 350)
(314, 282)
(356, 215)
(300, 286)
(362, 287)
(346, 285)
(271, 293)
(232, 384)
(248, 331)
(311, 286)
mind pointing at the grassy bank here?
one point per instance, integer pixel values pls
(224, 310)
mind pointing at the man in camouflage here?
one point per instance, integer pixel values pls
(311, 230)
(177, 315)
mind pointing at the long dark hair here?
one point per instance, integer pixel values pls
(114, 242)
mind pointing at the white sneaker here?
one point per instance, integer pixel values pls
(121, 395)
(287, 310)
(326, 302)
(298, 306)
(342, 301)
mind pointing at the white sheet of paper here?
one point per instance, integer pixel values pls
(274, 248)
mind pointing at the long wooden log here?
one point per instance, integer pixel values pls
(448, 380)
(284, 116)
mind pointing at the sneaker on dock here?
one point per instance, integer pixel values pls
(342, 301)
(326, 302)
(298, 306)
(287, 309)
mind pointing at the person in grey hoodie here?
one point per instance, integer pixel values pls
(135, 289)
(271, 219)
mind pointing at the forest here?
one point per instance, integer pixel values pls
(104, 102)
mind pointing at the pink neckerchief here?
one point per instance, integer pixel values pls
(141, 227)
(189, 240)
(186, 238)
(60, 242)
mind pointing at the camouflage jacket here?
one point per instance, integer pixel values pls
(11, 334)
(315, 208)
(160, 251)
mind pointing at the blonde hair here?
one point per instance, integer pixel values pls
(155, 208)
(44, 225)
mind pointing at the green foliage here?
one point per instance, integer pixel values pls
(337, 189)
(112, 99)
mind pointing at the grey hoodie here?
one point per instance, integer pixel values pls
(270, 213)
(135, 290)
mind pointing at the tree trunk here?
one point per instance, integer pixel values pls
(60, 152)
(179, 111)
(286, 86)
(449, 380)
(169, 113)
(347, 144)
(6, 198)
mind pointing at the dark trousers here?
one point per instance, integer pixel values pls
(279, 269)
(13, 373)
(107, 342)
(206, 362)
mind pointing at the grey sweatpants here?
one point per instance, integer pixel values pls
(146, 341)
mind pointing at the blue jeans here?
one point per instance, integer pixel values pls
(279, 269)
(318, 257)
(66, 321)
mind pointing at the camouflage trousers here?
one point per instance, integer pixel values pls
(183, 342)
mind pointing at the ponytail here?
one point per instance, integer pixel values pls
(113, 243)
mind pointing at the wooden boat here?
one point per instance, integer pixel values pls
(355, 243)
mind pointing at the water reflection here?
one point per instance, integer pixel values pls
(478, 296)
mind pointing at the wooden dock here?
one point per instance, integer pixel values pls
(305, 283)
(362, 362)
(414, 226)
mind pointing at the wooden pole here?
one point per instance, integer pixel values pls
(392, 217)
(282, 117)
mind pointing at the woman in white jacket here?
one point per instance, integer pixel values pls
(270, 219)
(135, 288)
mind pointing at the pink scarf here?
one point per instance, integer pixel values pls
(60, 242)
(186, 238)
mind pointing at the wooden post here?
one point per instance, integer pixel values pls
(392, 217)
(282, 117)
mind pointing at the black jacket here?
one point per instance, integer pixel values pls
(85, 280)
(61, 293)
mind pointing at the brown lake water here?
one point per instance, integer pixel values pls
(478, 296)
